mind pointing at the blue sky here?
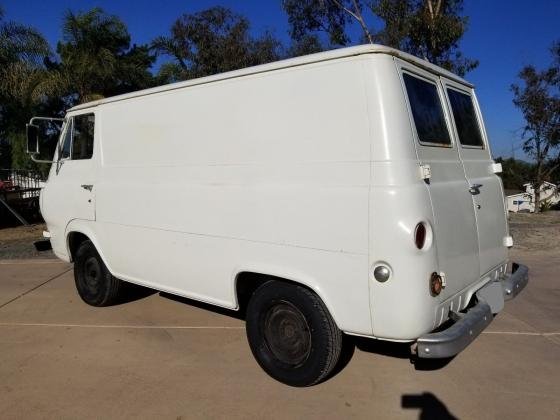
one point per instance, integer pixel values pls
(503, 35)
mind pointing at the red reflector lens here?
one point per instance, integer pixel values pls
(420, 235)
(436, 284)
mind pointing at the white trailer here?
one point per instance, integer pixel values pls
(351, 191)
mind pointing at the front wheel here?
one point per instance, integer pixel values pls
(291, 334)
(95, 284)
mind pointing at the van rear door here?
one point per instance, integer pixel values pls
(454, 224)
(485, 186)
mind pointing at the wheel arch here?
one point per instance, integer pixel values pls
(247, 281)
(76, 232)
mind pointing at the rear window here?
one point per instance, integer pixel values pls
(464, 115)
(427, 111)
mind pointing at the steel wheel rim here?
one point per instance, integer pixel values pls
(287, 334)
(92, 274)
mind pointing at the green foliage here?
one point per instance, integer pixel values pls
(538, 98)
(308, 44)
(312, 16)
(96, 59)
(20, 43)
(212, 41)
(429, 29)
(515, 173)
(22, 51)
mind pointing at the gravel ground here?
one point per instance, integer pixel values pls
(538, 233)
(17, 242)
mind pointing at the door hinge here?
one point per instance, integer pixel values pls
(508, 241)
(425, 171)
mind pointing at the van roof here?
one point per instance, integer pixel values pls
(282, 64)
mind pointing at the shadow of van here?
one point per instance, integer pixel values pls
(132, 292)
(206, 306)
(349, 344)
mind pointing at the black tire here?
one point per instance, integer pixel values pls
(95, 284)
(291, 334)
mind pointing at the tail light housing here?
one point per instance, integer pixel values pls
(420, 235)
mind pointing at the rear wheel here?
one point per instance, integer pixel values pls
(95, 284)
(291, 334)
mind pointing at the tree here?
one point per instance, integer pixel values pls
(328, 16)
(515, 173)
(212, 41)
(538, 98)
(308, 44)
(22, 73)
(97, 60)
(429, 29)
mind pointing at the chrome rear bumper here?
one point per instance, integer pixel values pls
(516, 282)
(469, 325)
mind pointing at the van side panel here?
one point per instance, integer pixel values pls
(266, 173)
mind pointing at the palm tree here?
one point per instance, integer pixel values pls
(22, 73)
(96, 59)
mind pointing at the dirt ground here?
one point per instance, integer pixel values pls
(538, 233)
(17, 242)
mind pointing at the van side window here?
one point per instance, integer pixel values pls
(82, 136)
(465, 118)
(427, 111)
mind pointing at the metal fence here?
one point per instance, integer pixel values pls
(19, 196)
(25, 182)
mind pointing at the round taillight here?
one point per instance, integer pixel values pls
(420, 235)
(436, 284)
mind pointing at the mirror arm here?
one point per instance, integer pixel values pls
(40, 160)
(44, 119)
(31, 121)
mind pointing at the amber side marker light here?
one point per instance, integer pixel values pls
(436, 284)
(420, 235)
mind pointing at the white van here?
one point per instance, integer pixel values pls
(351, 191)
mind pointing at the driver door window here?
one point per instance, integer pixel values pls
(66, 141)
(79, 137)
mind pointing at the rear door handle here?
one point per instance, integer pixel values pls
(474, 189)
(88, 187)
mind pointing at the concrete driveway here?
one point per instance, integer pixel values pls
(155, 357)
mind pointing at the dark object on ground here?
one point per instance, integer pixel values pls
(43, 245)
(431, 407)
(18, 242)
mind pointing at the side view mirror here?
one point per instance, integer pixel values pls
(32, 132)
(35, 133)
